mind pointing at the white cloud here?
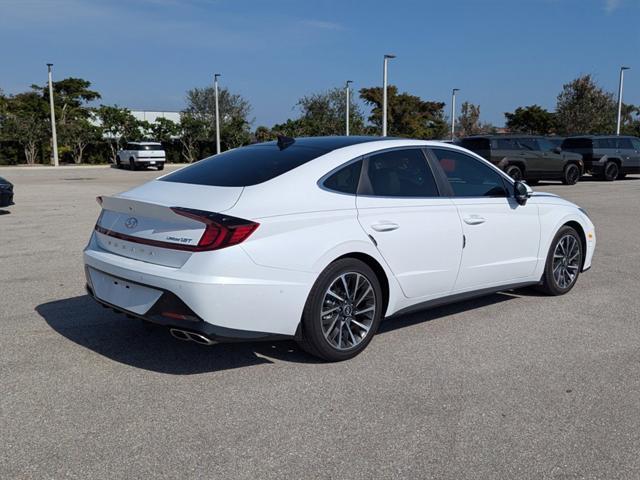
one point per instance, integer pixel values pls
(611, 5)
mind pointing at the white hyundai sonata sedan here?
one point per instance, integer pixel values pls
(318, 239)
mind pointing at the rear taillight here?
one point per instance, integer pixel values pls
(220, 231)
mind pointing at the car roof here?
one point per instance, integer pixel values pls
(602, 136)
(145, 143)
(504, 135)
(329, 143)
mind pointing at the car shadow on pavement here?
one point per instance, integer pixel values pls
(406, 320)
(129, 341)
(4, 212)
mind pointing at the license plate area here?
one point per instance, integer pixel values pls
(127, 295)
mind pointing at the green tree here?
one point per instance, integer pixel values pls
(533, 120)
(25, 120)
(408, 115)
(234, 114)
(263, 134)
(192, 131)
(583, 107)
(117, 126)
(164, 130)
(71, 96)
(78, 135)
(324, 113)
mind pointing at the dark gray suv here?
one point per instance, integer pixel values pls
(606, 157)
(526, 157)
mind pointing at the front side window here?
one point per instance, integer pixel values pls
(528, 144)
(545, 145)
(346, 179)
(401, 173)
(469, 177)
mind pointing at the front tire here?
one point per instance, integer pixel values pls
(343, 311)
(514, 172)
(571, 174)
(564, 262)
(132, 164)
(118, 163)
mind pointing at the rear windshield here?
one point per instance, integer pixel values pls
(150, 147)
(475, 144)
(576, 143)
(245, 166)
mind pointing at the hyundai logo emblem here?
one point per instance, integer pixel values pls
(131, 222)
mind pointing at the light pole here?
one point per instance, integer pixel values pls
(54, 136)
(384, 93)
(346, 91)
(622, 69)
(453, 112)
(215, 87)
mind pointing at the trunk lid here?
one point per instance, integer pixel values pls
(140, 223)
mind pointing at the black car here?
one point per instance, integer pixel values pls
(6, 193)
(526, 157)
(607, 157)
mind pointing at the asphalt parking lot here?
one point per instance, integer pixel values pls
(514, 385)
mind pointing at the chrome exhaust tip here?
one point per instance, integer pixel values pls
(201, 339)
(191, 336)
(179, 334)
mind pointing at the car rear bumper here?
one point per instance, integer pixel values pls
(214, 333)
(246, 301)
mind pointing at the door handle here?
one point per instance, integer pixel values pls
(474, 220)
(385, 227)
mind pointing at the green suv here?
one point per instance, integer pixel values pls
(607, 157)
(526, 157)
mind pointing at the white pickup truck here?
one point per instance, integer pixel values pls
(141, 154)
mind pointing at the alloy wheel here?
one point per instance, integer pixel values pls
(566, 261)
(348, 310)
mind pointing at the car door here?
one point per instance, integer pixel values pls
(551, 161)
(502, 238)
(629, 156)
(635, 154)
(533, 157)
(417, 231)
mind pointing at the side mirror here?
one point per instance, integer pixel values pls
(521, 192)
(556, 150)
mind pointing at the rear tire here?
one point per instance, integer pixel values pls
(514, 172)
(160, 166)
(348, 293)
(564, 262)
(571, 174)
(611, 171)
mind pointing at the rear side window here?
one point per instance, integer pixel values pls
(469, 177)
(475, 144)
(245, 166)
(605, 143)
(576, 143)
(346, 179)
(507, 144)
(401, 173)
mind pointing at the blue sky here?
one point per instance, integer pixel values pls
(144, 54)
